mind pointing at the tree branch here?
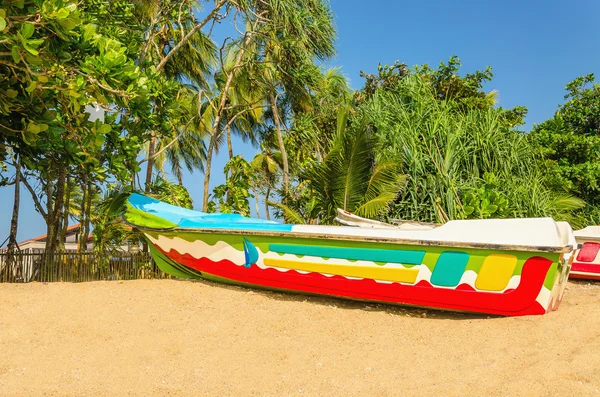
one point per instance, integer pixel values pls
(187, 37)
(156, 154)
(36, 200)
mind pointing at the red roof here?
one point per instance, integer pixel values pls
(70, 230)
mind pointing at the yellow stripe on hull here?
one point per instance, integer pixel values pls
(374, 273)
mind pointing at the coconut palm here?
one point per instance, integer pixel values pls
(236, 106)
(301, 32)
(169, 22)
(350, 177)
(267, 165)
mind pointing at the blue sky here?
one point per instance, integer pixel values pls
(535, 48)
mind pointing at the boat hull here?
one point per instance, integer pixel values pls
(586, 264)
(492, 281)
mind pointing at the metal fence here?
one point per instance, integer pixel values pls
(77, 267)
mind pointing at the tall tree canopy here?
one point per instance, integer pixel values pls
(570, 144)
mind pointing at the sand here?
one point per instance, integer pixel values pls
(190, 338)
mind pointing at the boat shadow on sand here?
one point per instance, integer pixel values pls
(347, 304)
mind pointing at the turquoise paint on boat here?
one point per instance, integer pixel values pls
(449, 268)
(408, 257)
(191, 219)
(250, 253)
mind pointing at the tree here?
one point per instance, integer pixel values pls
(301, 32)
(463, 157)
(232, 196)
(570, 144)
(56, 60)
(266, 166)
(176, 46)
(350, 177)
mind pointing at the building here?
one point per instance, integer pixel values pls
(37, 245)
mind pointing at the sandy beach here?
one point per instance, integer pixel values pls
(189, 338)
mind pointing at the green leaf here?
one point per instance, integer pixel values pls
(492, 208)
(104, 129)
(31, 87)
(11, 93)
(27, 30)
(30, 49)
(34, 60)
(61, 14)
(35, 43)
(2, 23)
(34, 128)
(68, 23)
(15, 54)
(65, 56)
(29, 138)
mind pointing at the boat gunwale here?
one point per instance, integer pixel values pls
(585, 239)
(368, 239)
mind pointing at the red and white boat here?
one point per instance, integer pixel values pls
(587, 262)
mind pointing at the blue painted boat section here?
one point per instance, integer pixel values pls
(405, 257)
(250, 253)
(449, 268)
(172, 213)
(186, 218)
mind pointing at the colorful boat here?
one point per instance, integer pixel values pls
(506, 267)
(586, 264)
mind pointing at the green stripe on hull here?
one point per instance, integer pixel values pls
(169, 266)
(408, 257)
(429, 259)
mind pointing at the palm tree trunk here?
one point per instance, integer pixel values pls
(86, 224)
(230, 149)
(257, 204)
(82, 216)
(267, 203)
(284, 159)
(58, 209)
(66, 211)
(49, 190)
(54, 210)
(219, 115)
(211, 148)
(14, 221)
(229, 145)
(151, 149)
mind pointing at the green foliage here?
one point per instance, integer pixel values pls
(570, 145)
(109, 232)
(486, 200)
(447, 146)
(232, 196)
(349, 177)
(169, 192)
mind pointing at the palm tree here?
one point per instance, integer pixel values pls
(184, 145)
(267, 165)
(300, 33)
(173, 35)
(237, 105)
(350, 177)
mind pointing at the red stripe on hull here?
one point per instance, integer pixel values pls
(585, 271)
(517, 302)
(585, 267)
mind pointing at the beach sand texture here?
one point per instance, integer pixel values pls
(190, 338)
